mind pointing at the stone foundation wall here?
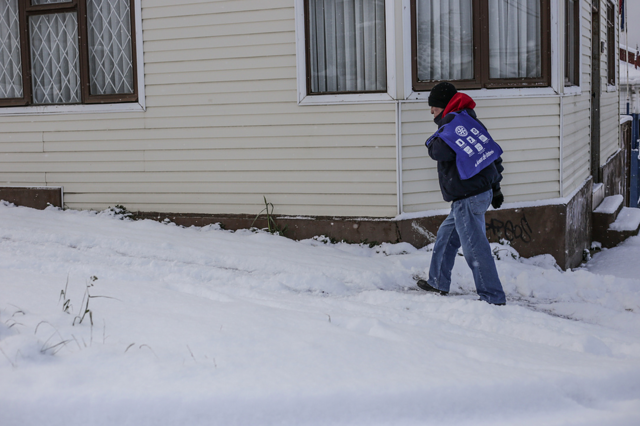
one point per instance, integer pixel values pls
(562, 230)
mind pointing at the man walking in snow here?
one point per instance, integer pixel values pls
(470, 197)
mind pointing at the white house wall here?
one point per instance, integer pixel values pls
(609, 126)
(222, 128)
(576, 143)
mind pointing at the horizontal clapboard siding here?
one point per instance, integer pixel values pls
(610, 126)
(222, 128)
(576, 164)
(576, 142)
(577, 120)
(528, 131)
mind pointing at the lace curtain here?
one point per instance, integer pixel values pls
(55, 68)
(110, 51)
(10, 54)
(347, 50)
(514, 39)
(445, 39)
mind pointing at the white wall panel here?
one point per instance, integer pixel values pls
(222, 127)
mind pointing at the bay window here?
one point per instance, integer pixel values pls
(480, 43)
(55, 52)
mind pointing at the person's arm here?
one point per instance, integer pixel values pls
(440, 151)
(499, 166)
(498, 197)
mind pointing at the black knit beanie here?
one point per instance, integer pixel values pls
(441, 94)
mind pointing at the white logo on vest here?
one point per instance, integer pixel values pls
(461, 131)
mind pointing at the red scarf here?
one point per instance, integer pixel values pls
(459, 102)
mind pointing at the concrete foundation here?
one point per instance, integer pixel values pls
(562, 230)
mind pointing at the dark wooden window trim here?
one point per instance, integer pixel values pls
(307, 47)
(572, 80)
(611, 45)
(481, 53)
(25, 9)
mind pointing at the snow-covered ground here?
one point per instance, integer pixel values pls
(201, 326)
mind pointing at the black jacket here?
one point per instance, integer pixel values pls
(453, 188)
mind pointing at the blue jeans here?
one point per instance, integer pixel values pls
(465, 227)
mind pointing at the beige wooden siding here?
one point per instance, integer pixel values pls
(527, 129)
(576, 164)
(577, 110)
(609, 126)
(576, 142)
(222, 128)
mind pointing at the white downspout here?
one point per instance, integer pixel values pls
(399, 156)
(562, 145)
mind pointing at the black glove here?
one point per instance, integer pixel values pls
(498, 199)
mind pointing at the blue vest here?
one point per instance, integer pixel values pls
(475, 149)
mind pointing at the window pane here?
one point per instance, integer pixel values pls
(347, 49)
(10, 53)
(54, 58)
(110, 52)
(515, 49)
(611, 45)
(571, 35)
(444, 40)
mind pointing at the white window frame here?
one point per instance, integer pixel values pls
(304, 98)
(138, 106)
(554, 89)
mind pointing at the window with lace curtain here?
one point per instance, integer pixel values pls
(480, 43)
(346, 46)
(55, 52)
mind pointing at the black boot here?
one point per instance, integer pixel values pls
(496, 304)
(427, 287)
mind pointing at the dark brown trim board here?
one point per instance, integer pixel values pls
(35, 197)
